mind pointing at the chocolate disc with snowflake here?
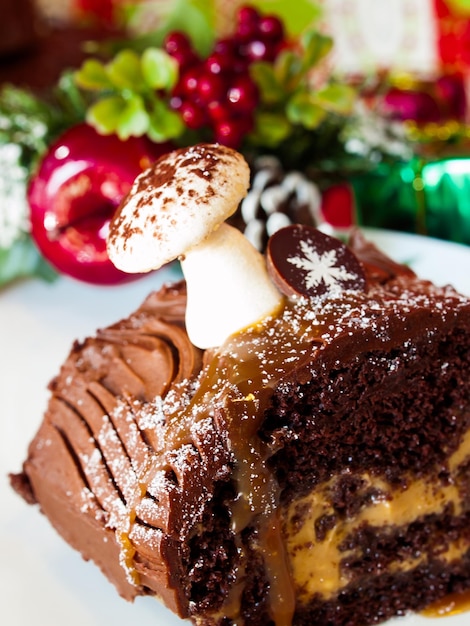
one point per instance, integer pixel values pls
(303, 261)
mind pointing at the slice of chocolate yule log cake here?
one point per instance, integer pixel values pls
(276, 440)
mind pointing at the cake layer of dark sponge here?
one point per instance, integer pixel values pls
(396, 415)
(391, 413)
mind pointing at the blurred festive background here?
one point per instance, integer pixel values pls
(349, 111)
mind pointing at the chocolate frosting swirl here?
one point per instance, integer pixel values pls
(99, 434)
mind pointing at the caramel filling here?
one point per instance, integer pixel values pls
(454, 604)
(316, 564)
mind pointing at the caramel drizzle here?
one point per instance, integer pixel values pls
(235, 388)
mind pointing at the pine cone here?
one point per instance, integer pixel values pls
(276, 199)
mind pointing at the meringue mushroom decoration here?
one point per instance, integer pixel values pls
(177, 210)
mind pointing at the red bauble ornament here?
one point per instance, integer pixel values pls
(80, 182)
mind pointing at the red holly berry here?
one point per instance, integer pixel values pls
(248, 20)
(193, 115)
(271, 27)
(179, 46)
(210, 87)
(231, 131)
(219, 91)
(243, 95)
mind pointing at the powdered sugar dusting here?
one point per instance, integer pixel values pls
(150, 465)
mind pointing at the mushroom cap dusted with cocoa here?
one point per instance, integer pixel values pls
(176, 204)
(177, 209)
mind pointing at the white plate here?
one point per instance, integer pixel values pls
(42, 581)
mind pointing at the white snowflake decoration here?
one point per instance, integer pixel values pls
(320, 267)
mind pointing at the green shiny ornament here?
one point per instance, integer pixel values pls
(425, 197)
(385, 197)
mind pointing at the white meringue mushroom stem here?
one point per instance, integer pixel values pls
(177, 209)
(228, 287)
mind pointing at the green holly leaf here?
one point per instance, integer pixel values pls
(336, 98)
(271, 129)
(116, 114)
(316, 47)
(104, 115)
(164, 123)
(134, 119)
(302, 109)
(125, 71)
(93, 76)
(71, 104)
(271, 90)
(159, 70)
(124, 116)
(288, 70)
